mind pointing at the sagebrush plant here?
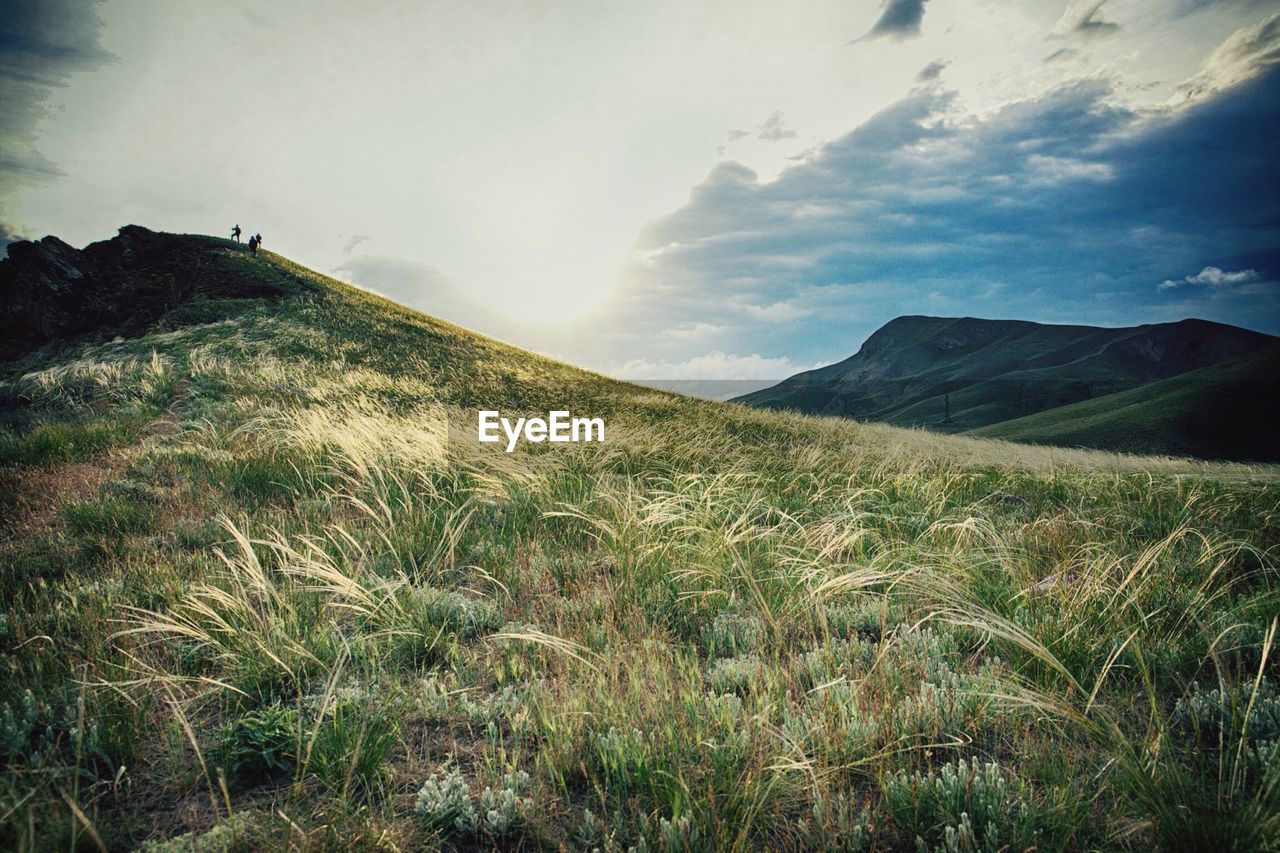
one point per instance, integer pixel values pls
(967, 805)
(277, 577)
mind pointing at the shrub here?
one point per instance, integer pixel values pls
(1218, 716)
(834, 659)
(1216, 783)
(683, 835)
(445, 803)
(624, 759)
(262, 742)
(34, 733)
(863, 618)
(731, 634)
(503, 811)
(835, 824)
(734, 675)
(963, 806)
(831, 723)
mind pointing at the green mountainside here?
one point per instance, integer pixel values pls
(1227, 411)
(988, 372)
(262, 588)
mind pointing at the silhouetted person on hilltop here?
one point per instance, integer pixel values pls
(235, 233)
(253, 245)
(258, 237)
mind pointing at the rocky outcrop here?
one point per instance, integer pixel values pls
(51, 292)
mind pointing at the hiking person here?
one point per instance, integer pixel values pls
(253, 245)
(235, 233)
(258, 237)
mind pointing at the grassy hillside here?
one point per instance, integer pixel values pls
(263, 588)
(995, 371)
(1228, 411)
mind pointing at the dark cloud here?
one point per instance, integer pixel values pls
(899, 20)
(42, 43)
(772, 129)
(1064, 208)
(1092, 24)
(731, 137)
(356, 240)
(932, 71)
(1062, 54)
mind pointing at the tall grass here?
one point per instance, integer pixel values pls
(328, 617)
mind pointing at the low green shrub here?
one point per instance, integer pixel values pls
(261, 743)
(964, 807)
(732, 634)
(445, 804)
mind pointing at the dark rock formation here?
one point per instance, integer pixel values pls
(52, 293)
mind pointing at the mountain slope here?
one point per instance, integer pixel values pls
(1227, 411)
(263, 589)
(991, 371)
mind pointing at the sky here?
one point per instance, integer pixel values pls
(717, 190)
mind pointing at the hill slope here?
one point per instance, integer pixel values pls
(262, 588)
(1227, 411)
(994, 371)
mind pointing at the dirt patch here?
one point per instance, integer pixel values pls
(43, 492)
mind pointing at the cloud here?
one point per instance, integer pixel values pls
(1079, 201)
(786, 311)
(356, 240)
(1213, 277)
(932, 71)
(773, 130)
(899, 20)
(418, 285)
(42, 43)
(1248, 51)
(731, 137)
(715, 365)
(1062, 54)
(10, 234)
(693, 331)
(1083, 19)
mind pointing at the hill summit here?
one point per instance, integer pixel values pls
(51, 292)
(964, 373)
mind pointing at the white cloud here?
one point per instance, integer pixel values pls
(693, 331)
(777, 312)
(712, 365)
(1213, 277)
(1249, 50)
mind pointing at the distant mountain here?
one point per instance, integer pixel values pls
(963, 374)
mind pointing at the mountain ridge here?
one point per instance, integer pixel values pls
(960, 374)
